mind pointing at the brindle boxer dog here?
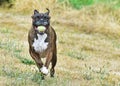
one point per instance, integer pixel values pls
(43, 44)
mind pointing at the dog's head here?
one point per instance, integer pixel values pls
(41, 19)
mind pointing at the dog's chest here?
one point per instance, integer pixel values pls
(39, 44)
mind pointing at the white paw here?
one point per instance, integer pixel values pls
(44, 70)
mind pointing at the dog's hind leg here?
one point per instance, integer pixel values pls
(53, 61)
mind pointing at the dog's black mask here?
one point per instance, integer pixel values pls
(41, 19)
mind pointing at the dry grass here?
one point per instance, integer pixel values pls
(27, 6)
(88, 45)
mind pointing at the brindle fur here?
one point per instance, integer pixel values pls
(49, 53)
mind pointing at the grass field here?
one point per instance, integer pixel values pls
(88, 44)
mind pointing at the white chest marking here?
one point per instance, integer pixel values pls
(39, 44)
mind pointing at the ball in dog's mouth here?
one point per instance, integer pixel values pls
(41, 28)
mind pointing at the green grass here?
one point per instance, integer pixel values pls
(78, 4)
(81, 55)
(18, 77)
(14, 49)
(5, 31)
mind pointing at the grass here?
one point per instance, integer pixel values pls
(88, 44)
(78, 4)
(14, 49)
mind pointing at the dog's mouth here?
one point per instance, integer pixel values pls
(40, 29)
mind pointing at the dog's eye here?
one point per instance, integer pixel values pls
(45, 17)
(38, 17)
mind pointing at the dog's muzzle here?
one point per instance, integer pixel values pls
(41, 22)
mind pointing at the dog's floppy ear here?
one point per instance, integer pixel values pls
(35, 11)
(48, 11)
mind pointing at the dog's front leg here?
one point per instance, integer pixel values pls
(37, 59)
(39, 63)
(48, 59)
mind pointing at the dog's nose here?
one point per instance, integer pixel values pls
(38, 23)
(41, 19)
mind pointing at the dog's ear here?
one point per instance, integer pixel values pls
(35, 11)
(48, 11)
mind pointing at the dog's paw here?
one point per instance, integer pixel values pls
(44, 70)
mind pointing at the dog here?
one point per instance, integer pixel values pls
(42, 44)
